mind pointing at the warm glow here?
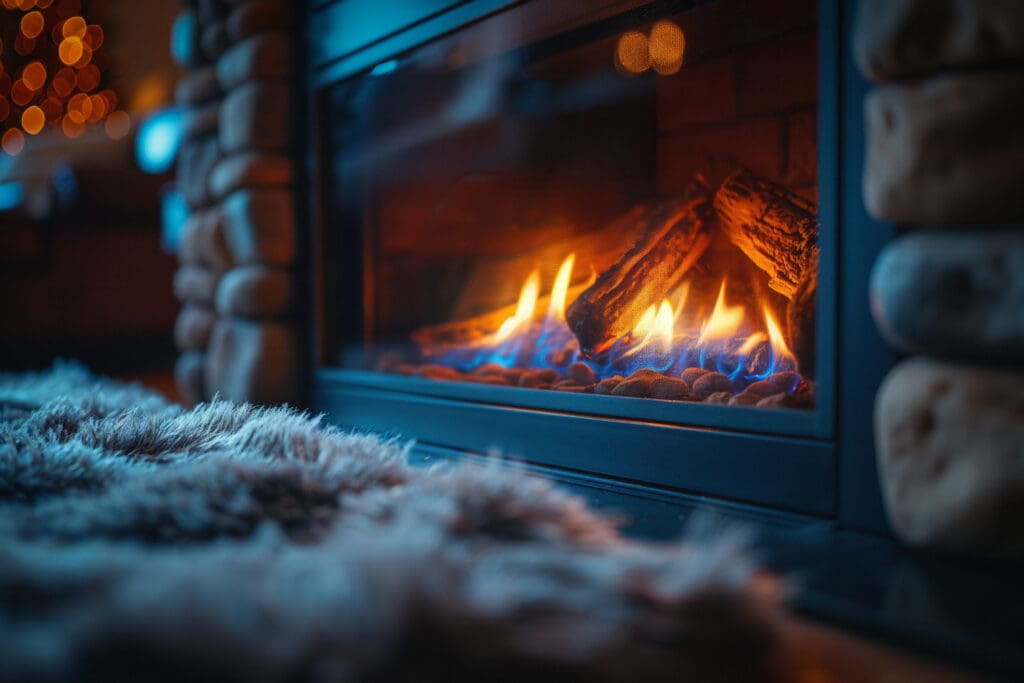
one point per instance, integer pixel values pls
(32, 24)
(658, 328)
(752, 341)
(34, 75)
(524, 309)
(775, 337)
(93, 37)
(70, 50)
(118, 124)
(13, 141)
(666, 46)
(631, 55)
(88, 78)
(556, 309)
(71, 127)
(32, 120)
(646, 323)
(74, 28)
(724, 322)
(79, 108)
(20, 93)
(681, 296)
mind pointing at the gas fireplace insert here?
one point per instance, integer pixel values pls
(604, 237)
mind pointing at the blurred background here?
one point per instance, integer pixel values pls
(88, 215)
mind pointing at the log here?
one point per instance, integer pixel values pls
(775, 228)
(801, 317)
(675, 236)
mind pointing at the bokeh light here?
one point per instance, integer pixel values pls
(33, 120)
(70, 50)
(118, 124)
(631, 54)
(12, 141)
(667, 44)
(157, 142)
(32, 24)
(73, 28)
(34, 75)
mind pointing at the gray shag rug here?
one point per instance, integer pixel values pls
(140, 540)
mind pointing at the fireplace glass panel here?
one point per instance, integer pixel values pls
(614, 198)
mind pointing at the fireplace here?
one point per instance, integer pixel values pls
(600, 237)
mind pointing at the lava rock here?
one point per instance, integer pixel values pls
(954, 295)
(950, 449)
(710, 383)
(259, 57)
(253, 361)
(254, 291)
(719, 398)
(899, 39)
(535, 379)
(255, 115)
(259, 226)
(582, 373)
(435, 371)
(670, 389)
(607, 385)
(691, 375)
(946, 150)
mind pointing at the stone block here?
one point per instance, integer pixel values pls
(950, 448)
(197, 86)
(193, 326)
(260, 57)
(201, 120)
(953, 294)
(254, 291)
(255, 115)
(203, 241)
(946, 150)
(899, 39)
(259, 226)
(195, 283)
(196, 159)
(257, 16)
(213, 39)
(802, 150)
(249, 169)
(779, 75)
(253, 361)
(189, 371)
(756, 144)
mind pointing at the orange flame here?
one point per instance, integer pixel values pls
(524, 308)
(657, 325)
(725, 320)
(751, 343)
(775, 337)
(556, 309)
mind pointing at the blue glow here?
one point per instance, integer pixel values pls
(10, 195)
(158, 140)
(384, 67)
(182, 33)
(174, 213)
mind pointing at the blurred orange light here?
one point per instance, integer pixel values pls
(93, 36)
(20, 93)
(99, 108)
(88, 78)
(24, 46)
(667, 45)
(5, 108)
(52, 108)
(118, 124)
(26, 4)
(34, 75)
(74, 27)
(32, 24)
(85, 58)
(70, 50)
(32, 120)
(13, 141)
(79, 108)
(631, 55)
(43, 4)
(71, 127)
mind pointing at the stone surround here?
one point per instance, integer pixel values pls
(237, 281)
(945, 157)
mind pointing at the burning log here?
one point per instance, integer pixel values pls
(675, 236)
(775, 228)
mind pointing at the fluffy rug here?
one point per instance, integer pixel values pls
(142, 540)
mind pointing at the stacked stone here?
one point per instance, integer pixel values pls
(945, 158)
(236, 280)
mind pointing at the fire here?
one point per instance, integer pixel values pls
(724, 322)
(525, 308)
(775, 338)
(657, 326)
(556, 309)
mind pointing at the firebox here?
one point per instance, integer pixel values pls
(598, 236)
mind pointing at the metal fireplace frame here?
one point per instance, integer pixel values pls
(813, 463)
(812, 477)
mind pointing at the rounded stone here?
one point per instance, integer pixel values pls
(259, 57)
(259, 226)
(950, 449)
(196, 160)
(203, 241)
(898, 39)
(946, 150)
(249, 169)
(195, 283)
(954, 295)
(197, 86)
(254, 291)
(201, 120)
(213, 39)
(255, 115)
(193, 326)
(250, 361)
(188, 375)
